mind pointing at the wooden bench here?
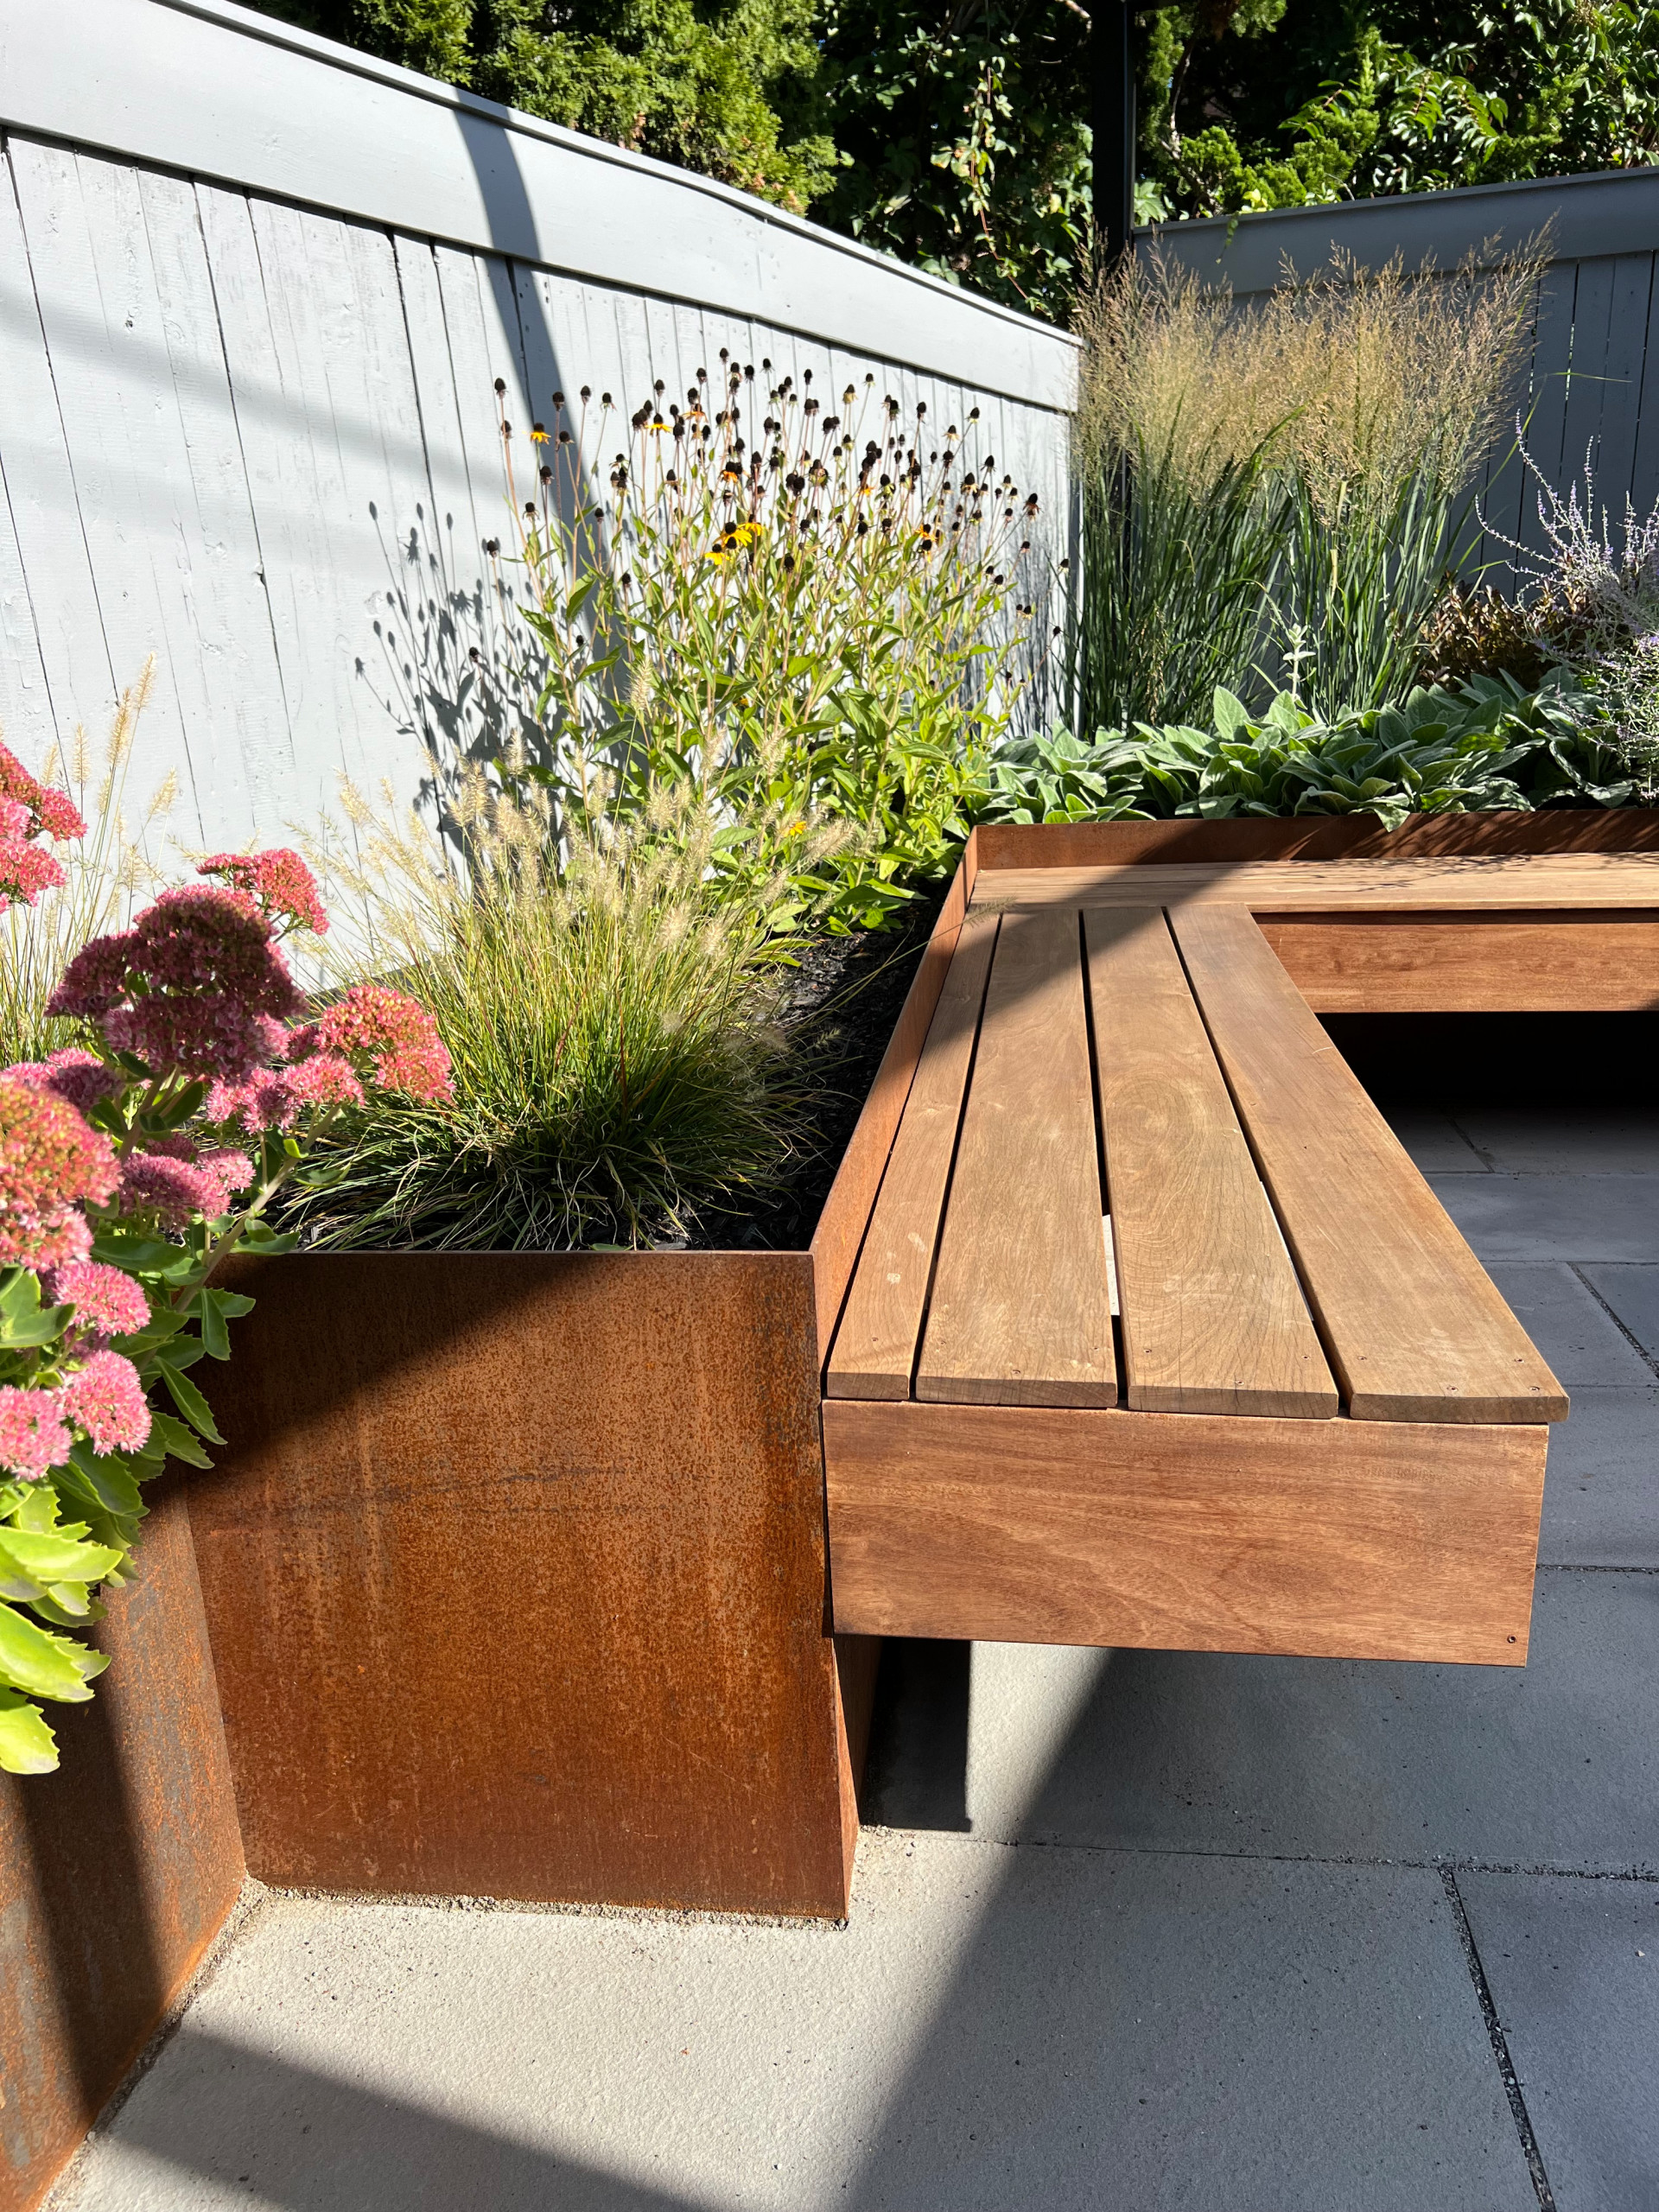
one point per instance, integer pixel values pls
(1155, 1335)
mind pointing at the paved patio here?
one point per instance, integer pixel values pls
(1137, 1930)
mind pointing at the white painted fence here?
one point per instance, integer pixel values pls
(255, 291)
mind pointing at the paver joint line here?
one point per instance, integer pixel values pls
(1500, 2044)
(1642, 1351)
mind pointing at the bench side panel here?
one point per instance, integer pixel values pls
(1185, 1532)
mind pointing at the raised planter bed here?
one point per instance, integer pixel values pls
(516, 1572)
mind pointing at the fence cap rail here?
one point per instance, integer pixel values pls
(1606, 212)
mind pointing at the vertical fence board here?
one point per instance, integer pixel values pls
(103, 407)
(1621, 391)
(242, 749)
(1546, 425)
(1645, 460)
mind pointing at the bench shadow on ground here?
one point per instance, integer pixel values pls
(1157, 1999)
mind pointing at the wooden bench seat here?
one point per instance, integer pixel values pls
(1157, 1336)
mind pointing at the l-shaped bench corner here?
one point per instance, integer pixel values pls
(1143, 1327)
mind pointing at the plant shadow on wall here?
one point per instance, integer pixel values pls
(737, 719)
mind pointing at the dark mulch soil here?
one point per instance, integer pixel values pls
(843, 1002)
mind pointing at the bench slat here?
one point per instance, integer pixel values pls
(1020, 1313)
(1414, 1328)
(875, 1345)
(1214, 1319)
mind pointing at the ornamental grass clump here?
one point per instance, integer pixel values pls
(102, 867)
(610, 1021)
(132, 1164)
(812, 620)
(1310, 453)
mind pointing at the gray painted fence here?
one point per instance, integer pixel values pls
(254, 293)
(1592, 381)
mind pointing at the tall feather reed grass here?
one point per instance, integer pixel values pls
(1307, 458)
(106, 873)
(612, 1024)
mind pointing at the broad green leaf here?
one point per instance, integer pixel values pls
(210, 1316)
(53, 1559)
(27, 1744)
(34, 1660)
(67, 1605)
(103, 1479)
(188, 1399)
(44, 1327)
(176, 1441)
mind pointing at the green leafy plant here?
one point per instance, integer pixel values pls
(813, 626)
(1487, 744)
(610, 1020)
(1318, 104)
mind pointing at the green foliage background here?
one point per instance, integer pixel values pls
(955, 133)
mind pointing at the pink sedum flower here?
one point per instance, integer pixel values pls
(25, 872)
(177, 1190)
(196, 985)
(396, 1035)
(277, 1097)
(28, 808)
(327, 1079)
(45, 809)
(105, 1398)
(94, 980)
(278, 882)
(33, 1439)
(51, 1164)
(80, 1078)
(107, 1302)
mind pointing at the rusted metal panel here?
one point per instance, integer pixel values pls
(117, 1872)
(516, 1577)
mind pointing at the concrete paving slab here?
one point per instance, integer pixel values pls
(1632, 1291)
(1575, 1333)
(1556, 1764)
(1601, 1493)
(1573, 1970)
(1435, 1142)
(1533, 1218)
(993, 2028)
(1553, 1140)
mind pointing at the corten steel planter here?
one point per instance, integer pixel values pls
(516, 1566)
(117, 1872)
(516, 1570)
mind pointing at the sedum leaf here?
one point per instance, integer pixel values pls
(27, 1744)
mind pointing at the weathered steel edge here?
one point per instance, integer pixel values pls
(117, 1872)
(212, 90)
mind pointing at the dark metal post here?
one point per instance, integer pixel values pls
(1114, 130)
